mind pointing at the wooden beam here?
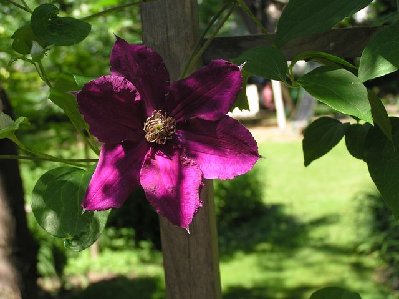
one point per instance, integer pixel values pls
(190, 260)
(347, 43)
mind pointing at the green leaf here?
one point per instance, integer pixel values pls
(380, 57)
(355, 139)
(303, 18)
(82, 80)
(339, 89)
(242, 99)
(380, 115)
(56, 205)
(60, 31)
(334, 293)
(22, 39)
(322, 57)
(61, 95)
(320, 137)
(267, 62)
(382, 157)
(8, 126)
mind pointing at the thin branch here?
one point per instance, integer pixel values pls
(248, 11)
(201, 51)
(74, 162)
(43, 74)
(113, 9)
(19, 5)
(26, 6)
(202, 38)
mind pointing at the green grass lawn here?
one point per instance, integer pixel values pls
(308, 236)
(320, 230)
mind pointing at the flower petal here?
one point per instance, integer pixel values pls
(112, 108)
(223, 149)
(116, 175)
(209, 93)
(172, 186)
(145, 69)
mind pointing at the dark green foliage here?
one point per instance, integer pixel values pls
(334, 293)
(238, 200)
(267, 62)
(303, 18)
(339, 89)
(382, 157)
(23, 38)
(320, 137)
(59, 31)
(380, 57)
(138, 215)
(355, 139)
(56, 204)
(380, 115)
(123, 288)
(383, 236)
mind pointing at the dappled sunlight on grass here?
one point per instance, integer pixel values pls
(318, 209)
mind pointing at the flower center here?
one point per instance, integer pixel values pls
(158, 127)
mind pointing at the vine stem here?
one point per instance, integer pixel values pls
(248, 11)
(19, 6)
(198, 53)
(202, 38)
(113, 9)
(50, 158)
(43, 74)
(26, 6)
(46, 157)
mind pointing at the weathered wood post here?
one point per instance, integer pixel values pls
(190, 261)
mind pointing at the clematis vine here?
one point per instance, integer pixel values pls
(166, 137)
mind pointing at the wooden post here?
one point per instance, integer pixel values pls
(190, 260)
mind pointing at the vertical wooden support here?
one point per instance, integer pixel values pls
(190, 260)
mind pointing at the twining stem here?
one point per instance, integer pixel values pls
(198, 53)
(113, 9)
(46, 157)
(19, 6)
(248, 11)
(43, 74)
(202, 38)
(26, 6)
(50, 158)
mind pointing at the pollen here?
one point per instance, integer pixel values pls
(158, 127)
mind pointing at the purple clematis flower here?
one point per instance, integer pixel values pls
(165, 137)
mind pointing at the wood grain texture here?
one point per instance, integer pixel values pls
(347, 43)
(190, 260)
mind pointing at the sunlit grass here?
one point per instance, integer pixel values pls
(323, 199)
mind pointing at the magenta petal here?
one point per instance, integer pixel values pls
(172, 185)
(145, 69)
(223, 149)
(116, 175)
(209, 93)
(111, 107)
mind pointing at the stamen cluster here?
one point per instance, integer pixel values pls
(159, 128)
